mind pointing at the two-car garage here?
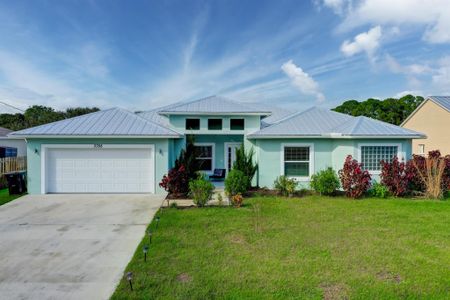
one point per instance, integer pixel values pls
(97, 168)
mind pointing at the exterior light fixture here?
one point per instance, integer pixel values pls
(145, 250)
(129, 277)
(36, 151)
(157, 222)
(149, 233)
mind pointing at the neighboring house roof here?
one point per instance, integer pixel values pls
(213, 105)
(442, 101)
(321, 122)
(4, 132)
(111, 122)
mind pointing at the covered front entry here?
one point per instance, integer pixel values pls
(98, 169)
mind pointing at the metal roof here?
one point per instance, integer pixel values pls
(322, 122)
(213, 105)
(443, 101)
(4, 131)
(110, 122)
(154, 116)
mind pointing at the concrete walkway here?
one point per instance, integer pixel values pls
(70, 246)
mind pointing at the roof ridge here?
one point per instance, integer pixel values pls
(151, 122)
(186, 102)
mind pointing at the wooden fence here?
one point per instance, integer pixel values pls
(13, 164)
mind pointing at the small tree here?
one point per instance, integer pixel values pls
(355, 181)
(185, 170)
(394, 177)
(244, 163)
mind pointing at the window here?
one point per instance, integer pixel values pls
(421, 149)
(192, 124)
(204, 154)
(214, 124)
(297, 160)
(237, 124)
(372, 155)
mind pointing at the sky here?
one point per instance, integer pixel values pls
(140, 55)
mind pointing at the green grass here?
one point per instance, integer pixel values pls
(5, 197)
(309, 248)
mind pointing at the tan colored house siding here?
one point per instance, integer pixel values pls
(434, 121)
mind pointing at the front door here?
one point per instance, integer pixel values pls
(230, 154)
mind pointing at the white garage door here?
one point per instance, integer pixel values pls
(99, 170)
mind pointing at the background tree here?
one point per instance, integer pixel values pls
(37, 115)
(390, 110)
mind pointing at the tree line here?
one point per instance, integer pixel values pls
(37, 115)
(390, 110)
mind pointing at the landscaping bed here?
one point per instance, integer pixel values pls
(309, 248)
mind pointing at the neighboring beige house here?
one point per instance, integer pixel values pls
(431, 117)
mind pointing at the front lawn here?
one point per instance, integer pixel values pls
(304, 248)
(5, 197)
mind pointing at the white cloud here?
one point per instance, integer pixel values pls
(411, 69)
(412, 92)
(432, 16)
(364, 42)
(302, 81)
(441, 78)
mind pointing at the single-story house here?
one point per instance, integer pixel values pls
(17, 144)
(117, 151)
(431, 117)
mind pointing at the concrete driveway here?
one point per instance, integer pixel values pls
(69, 246)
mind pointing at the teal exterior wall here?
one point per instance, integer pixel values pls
(219, 146)
(327, 153)
(162, 154)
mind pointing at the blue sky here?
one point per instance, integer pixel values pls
(143, 54)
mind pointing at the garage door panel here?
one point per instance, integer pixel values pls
(108, 170)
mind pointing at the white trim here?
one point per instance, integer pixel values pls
(311, 159)
(213, 145)
(54, 136)
(400, 154)
(256, 136)
(199, 113)
(225, 152)
(45, 147)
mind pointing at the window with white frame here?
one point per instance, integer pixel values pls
(204, 154)
(421, 149)
(296, 161)
(372, 155)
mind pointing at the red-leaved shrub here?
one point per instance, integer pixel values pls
(355, 181)
(393, 176)
(176, 181)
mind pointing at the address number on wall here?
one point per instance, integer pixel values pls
(98, 145)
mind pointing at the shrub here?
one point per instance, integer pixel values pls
(176, 181)
(201, 190)
(285, 185)
(394, 177)
(235, 183)
(244, 163)
(379, 190)
(237, 200)
(354, 180)
(325, 182)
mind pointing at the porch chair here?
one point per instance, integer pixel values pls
(218, 174)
